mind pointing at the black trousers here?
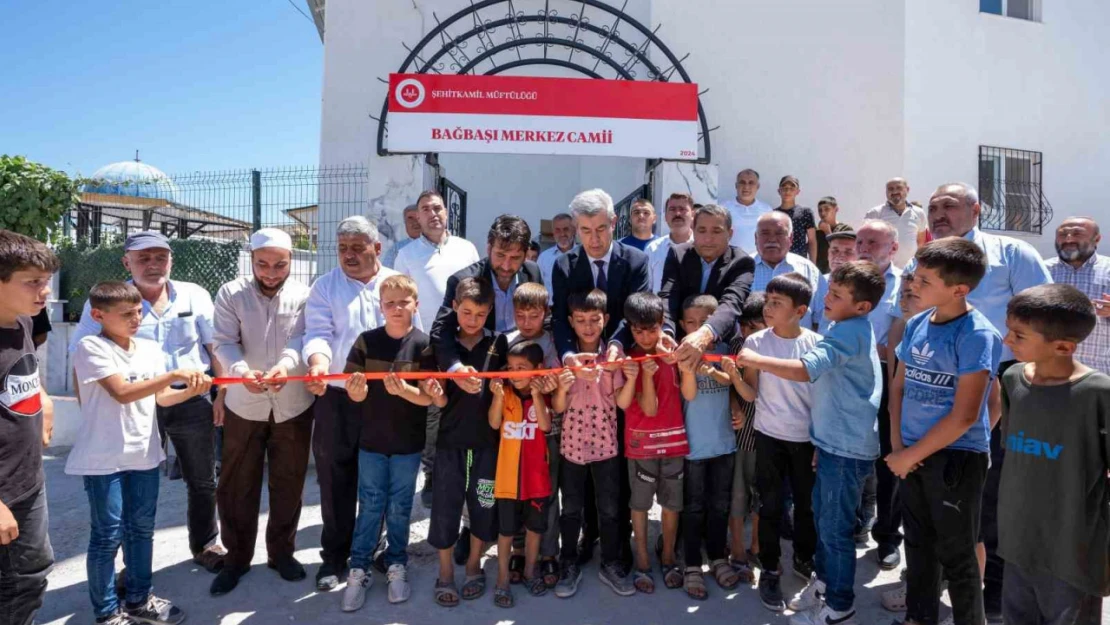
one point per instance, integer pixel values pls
(940, 509)
(590, 530)
(775, 461)
(706, 498)
(25, 562)
(338, 425)
(189, 427)
(605, 476)
(888, 513)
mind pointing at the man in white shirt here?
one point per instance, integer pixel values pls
(679, 213)
(562, 228)
(434, 257)
(412, 233)
(772, 239)
(745, 209)
(908, 219)
(259, 333)
(342, 304)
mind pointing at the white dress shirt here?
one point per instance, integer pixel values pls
(430, 265)
(256, 333)
(744, 220)
(547, 261)
(657, 258)
(339, 309)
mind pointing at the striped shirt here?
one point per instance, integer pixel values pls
(792, 263)
(745, 436)
(1093, 279)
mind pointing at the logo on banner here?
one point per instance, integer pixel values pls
(409, 93)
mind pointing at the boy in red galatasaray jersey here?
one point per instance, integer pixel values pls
(655, 437)
(523, 482)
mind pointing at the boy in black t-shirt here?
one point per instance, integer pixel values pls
(466, 447)
(1053, 519)
(394, 416)
(25, 553)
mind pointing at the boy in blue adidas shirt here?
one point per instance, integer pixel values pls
(847, 385)
(940, 430)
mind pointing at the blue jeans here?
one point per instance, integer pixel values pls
(122, 506)
(836, 494)
(386, 485)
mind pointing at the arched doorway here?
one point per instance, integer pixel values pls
(588, 38)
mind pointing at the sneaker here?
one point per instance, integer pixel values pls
(895, 599)
(809, 598)
(119, 618)
(358, 582)
(889, 558)
(613, 576)
(824, 615)
(770, 592)
(803, 569)
(462, 547)
(327, 577)
(155, 611)
(398, 578)
(568, 580)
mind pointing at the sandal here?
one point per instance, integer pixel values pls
(535, 585)
(643, 581)
(672, 576)
(474, 586)
(726, 576)
(503, 597)
(549, 569)
(446, 595)
(516, 568)
(747, 575)
(695, 584)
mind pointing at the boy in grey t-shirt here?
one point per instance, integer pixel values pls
(1054, 522)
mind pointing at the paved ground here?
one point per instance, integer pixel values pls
(262, 598)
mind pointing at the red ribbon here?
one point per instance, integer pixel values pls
(444, 375)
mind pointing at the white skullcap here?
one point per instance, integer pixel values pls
(271, 237)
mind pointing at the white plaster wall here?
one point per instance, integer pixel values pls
(975, 79)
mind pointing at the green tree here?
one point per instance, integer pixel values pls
(33, 197)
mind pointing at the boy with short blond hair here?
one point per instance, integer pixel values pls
(707, 491)
(26, 421)
(466, 447)
(118, 451)
(394, 413)
(655, 440)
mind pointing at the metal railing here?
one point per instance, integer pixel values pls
(1010, 190)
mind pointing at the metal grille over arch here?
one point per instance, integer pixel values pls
(489, 37)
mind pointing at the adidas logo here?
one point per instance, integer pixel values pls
(922, 356)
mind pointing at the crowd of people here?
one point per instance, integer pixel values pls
(753, 370)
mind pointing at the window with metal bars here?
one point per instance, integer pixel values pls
(1010, 190)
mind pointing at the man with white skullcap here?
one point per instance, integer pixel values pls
(259, 331)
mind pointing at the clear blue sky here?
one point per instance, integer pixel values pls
(194, 85)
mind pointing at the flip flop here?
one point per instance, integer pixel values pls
(516, 568)
(549, 569)
(444, 591)
(672, 576)
(503, 597)
(694, 582)
(643, 581)
(726, 576)
(536, 586)
(474, 586)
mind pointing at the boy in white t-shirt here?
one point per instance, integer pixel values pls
(783, 450)
(118, 451)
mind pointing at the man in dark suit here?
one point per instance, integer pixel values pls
(504, 267)
(708, 265)
(598, 262)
